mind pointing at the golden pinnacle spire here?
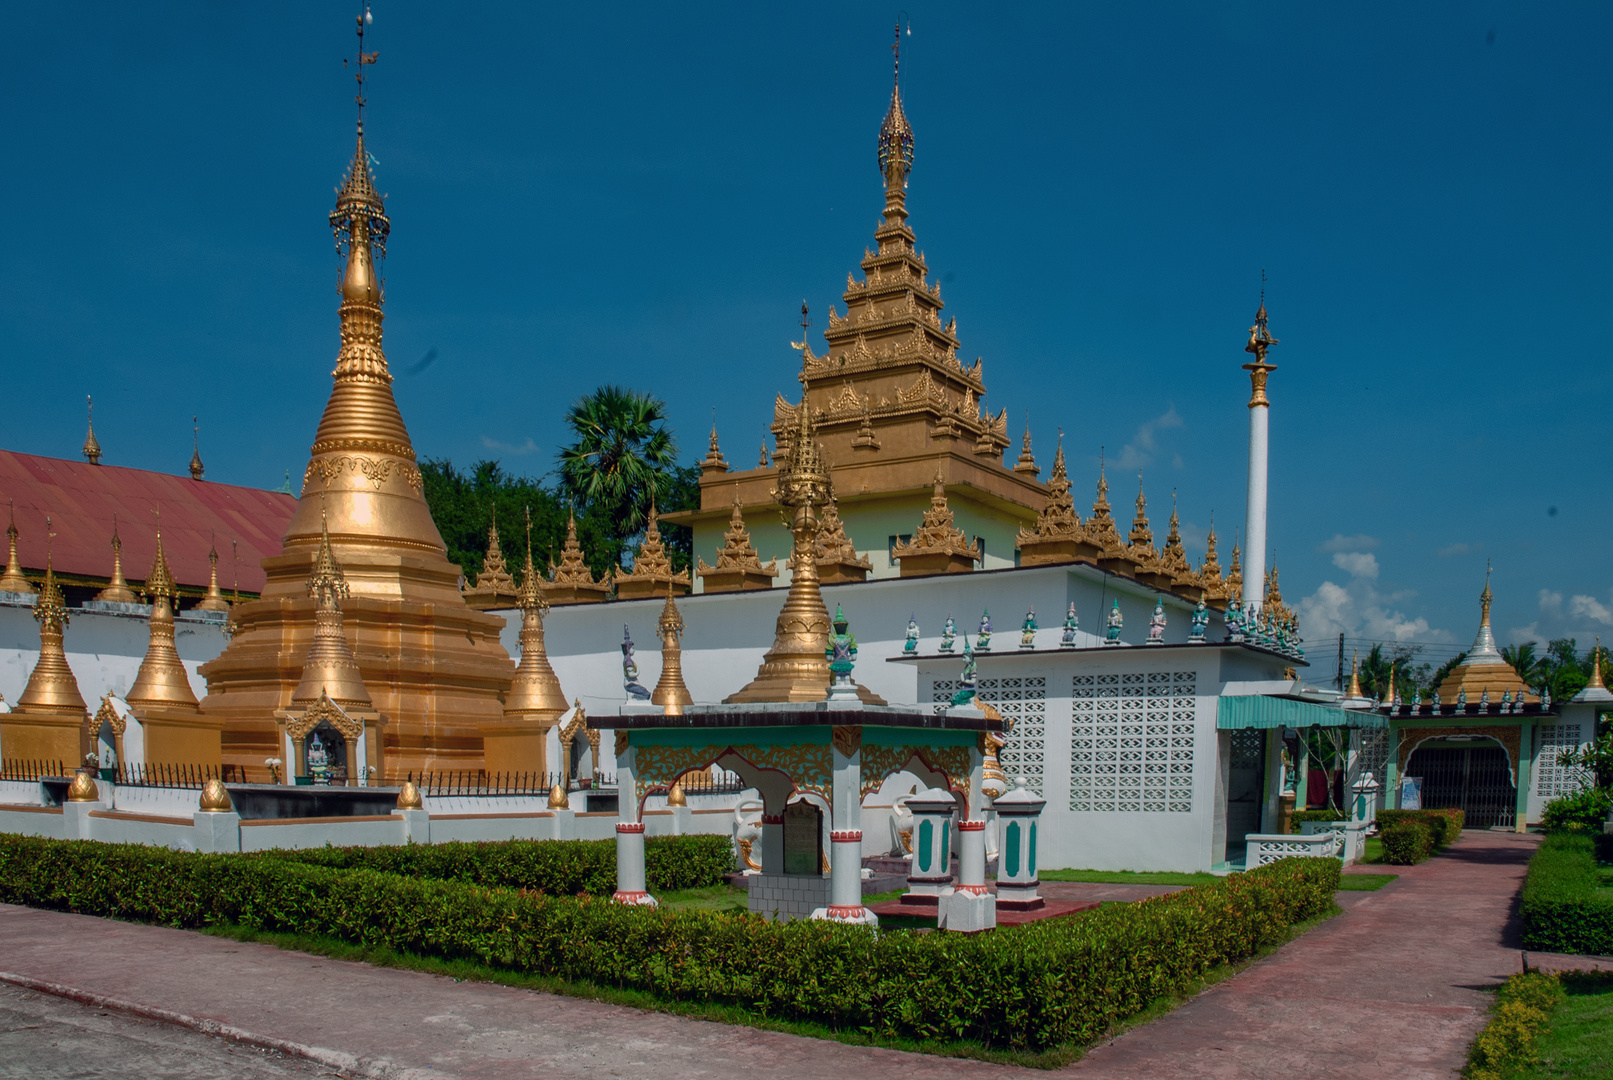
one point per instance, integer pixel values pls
(535, 692)
(1027, 461)
(52, 688)
(214, 600)
(92, 448)
(1596, 666)
(738, 566)
(1216, 589)
(670, 693)
(14, 580)
(1389, 694)
(1355, 677)
(1235, 572)
(196, 468)
(329, 669)
(1485, 598)
(714, 461)
(1260, 340)
(117, 590)
(161, 682)
(795, 668)
(896, 141)
(494, 586)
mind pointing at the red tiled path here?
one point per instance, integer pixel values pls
(1390, 989)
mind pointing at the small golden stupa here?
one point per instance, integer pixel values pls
(518, 743)
(571, 582)
(1484, 668)
(175, 730)
(92, 445)
(670, 693)
(738, 568)
(652, 570)
(795, 668)
(939, 546)
(14, 580)
(434, 667)
(214, 599)
(117, 590)
(49, 721)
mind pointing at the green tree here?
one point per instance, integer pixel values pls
(1525, 661)
(621, 458)
(1446, 668)
(463, 504)
(1410, 676)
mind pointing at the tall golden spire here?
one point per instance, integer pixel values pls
(329, 668)
(1260, 340)
(52, 688)
(1027, 460)
(714, 462)
(896, 142)
(117, 590)
(795, 668)
(1355, 677)
(214, 600)
(196, 468)
(14, 580)
(494, 586)
(161, 682)
(670, 693)
(92, 448)
(535, 691)
(362, 455)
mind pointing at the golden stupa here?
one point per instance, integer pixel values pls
(518, 743)
(434, 668)
(49, 721)
(175, 730)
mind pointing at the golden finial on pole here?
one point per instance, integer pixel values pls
(92, 448)
(196, 468)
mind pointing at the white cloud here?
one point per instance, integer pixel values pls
(1357, 609)
(1589, 607)
(1359, 564)
(1580, 617)
(1340, 542)
(1140, 451)
(1450, 551)
(528, 447)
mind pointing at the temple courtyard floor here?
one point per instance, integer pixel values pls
(1396, 986)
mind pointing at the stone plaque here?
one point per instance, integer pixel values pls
(803, 839)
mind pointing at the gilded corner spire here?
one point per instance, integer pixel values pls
(92, 447)
(939, 546)
(652, 569)
(738, 566)
(670, 692)
(896, 139)
(529, 595)
(494, 587)
(535, 692)
(329, 669)
(714, 461)
(161, 682)
(327, 584)
(1027, 460)
(214, 600)
(196, 468)
(117, 590)
(14, 580)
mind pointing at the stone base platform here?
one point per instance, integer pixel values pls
(1053, 909)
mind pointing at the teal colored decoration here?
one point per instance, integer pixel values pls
(1236, 711)
(925, 834)
(946, 846)
(1011, 849)
(1032, 860)
(966, 680)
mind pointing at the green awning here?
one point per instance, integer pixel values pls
(1241, 711)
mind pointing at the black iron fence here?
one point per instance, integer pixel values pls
(170, 776)
(31, 769)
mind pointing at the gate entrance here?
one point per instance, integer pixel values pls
(1246, 789)
(1476, 780)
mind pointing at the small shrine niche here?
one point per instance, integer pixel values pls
(803, 839)
(327, 745)
(324, 756)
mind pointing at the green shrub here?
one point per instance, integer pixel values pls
(1407, 842)
(562, 867)
(1046, 984)
(1585, 809)
(1444, 826)
(1523, 1006)
(1561, 908)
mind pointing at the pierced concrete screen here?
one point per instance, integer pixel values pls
(1374, 754)
(1023, 702)
(1551, 779)
(1132, 742)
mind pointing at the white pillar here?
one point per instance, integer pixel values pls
(630, 888)
(845, 835)
(1254, 522)
(970, 906)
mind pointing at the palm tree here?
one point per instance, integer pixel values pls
(621, 455)
(1529, 666)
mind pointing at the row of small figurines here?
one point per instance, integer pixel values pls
(1509, 704)
(1260, 628)
(1111, 635)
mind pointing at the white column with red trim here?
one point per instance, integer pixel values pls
(630, 887)
(845, 833)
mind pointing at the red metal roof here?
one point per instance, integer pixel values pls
(82, 498)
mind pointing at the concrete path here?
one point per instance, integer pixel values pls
(1393, 988)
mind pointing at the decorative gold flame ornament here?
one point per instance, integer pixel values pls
(939, 546)
(215, 798)
(676, 796)
(670, 693)
(795, 668)
(434, 667)
(409, 797)
(83, 788)
(558, 799)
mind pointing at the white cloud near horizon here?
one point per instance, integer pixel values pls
(1356, 608)
(1580, 617)
(1143, 445)
(528, 447)
(1342, 543)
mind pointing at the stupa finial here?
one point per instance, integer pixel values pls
(92, 448)
(896, 138)
(196, 467)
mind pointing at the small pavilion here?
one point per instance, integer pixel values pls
(808, 739)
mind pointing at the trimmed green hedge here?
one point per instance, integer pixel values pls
(1047, 984)
(1562, 909)
(1585, 809)
(1522, 1011)
(1406, 843)
(1313, 815)
(1443, 825)
(561, 867)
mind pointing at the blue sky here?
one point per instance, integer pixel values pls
(645, 193)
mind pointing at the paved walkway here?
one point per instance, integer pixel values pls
(1393, 988)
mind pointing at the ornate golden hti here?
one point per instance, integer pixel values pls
(433, 667)
(795, 668)
(48, 722)
(535, 702)
(175, 729)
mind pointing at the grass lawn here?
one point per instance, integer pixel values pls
(1577, 1043)
(724, 898)
(1364, 882)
